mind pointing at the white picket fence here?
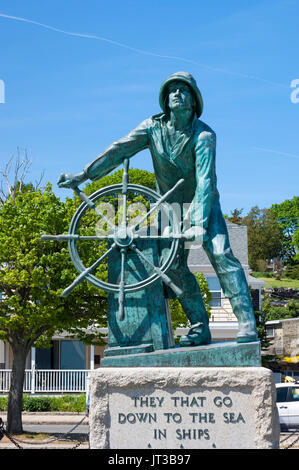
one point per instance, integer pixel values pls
(48, 381)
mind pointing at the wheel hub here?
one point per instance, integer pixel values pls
(123, 237)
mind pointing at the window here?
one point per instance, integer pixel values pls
(294, 394)
(281, 394)
(97, 359)
(72, 354)
(47, 358)
(215, 289)
(270, 331)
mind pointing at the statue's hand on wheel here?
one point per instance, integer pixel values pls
(68, 180)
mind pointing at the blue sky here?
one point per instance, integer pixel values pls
(68, 96)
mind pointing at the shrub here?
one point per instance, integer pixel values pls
(292, 272)
(74, 403)
(262, 274)
(71, 403)
(36, 403)
(261, 265)
(3, 403)
(291, 310)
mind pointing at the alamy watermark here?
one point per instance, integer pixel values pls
(168, 221)
(2, 91)
(295, 93)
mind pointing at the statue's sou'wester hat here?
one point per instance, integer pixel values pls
(190, 81)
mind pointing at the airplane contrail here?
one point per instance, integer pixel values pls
(141, 51)
(277, 152)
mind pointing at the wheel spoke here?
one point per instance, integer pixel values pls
(136, 236)
(121, 298)
(163, 276)
(87, 271)
(158, 203)
(171, 236)
(92, 205)
(125, 181)
(71, 236)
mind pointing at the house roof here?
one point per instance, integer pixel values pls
(253, 280)
(282, 320)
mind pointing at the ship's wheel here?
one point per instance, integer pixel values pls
(122, 237)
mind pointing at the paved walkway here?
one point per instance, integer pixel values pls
(49, 417)
(57, 424)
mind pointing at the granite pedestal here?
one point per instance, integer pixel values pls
(183, 408)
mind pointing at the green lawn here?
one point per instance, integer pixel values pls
(284, 282)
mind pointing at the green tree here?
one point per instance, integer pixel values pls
(265, 236)
(136, 176)
(291, 310)
(236, 216)
(296, 244)
(33, 275)
(287, 215)
(292, 269)
(261, 319)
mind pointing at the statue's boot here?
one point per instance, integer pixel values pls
(191, 302)
(199, 333)
(242, 308)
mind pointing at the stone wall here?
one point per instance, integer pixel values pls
(286, 338)
(290, 334)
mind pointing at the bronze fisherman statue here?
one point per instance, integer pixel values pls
(182, 146)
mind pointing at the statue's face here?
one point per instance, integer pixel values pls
(179, 96)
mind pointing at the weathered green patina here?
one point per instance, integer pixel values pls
(183, 150)
(222, 354)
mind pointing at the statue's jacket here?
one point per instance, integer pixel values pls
(191, 158)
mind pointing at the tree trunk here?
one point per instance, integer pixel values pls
(15, 399)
